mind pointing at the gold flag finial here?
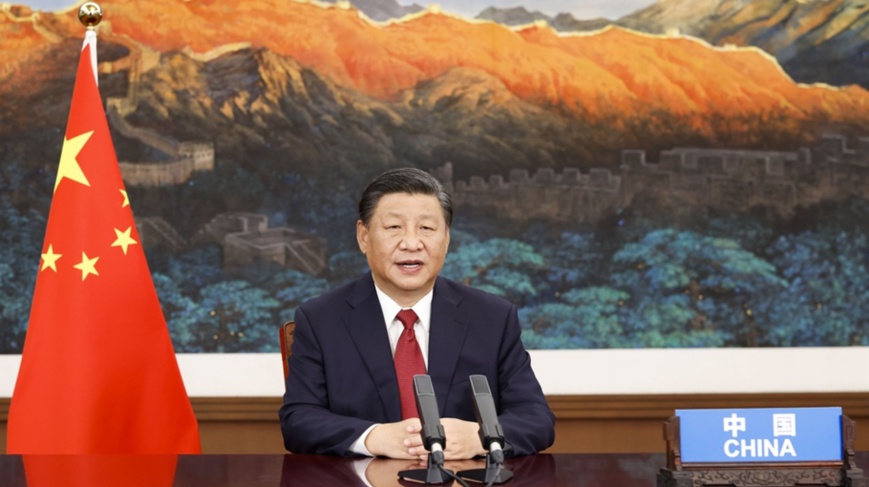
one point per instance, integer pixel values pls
(90, 14)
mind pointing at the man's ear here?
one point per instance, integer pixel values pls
(362, 236)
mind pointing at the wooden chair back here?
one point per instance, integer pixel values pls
(287, 344)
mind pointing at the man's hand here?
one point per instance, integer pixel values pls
(463, 440)
(402, 440)
(396, 440)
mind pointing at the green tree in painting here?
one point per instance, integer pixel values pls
(582, 318)
(692, 290)
(500, 266)
(178, 310)
(293, 288)
(192, 270)
(345, 265)
(21, 235)
(231, 316)
(575, 259)
(827, 300)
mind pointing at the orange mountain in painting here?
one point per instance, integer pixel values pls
(604, 75)
(587, 70)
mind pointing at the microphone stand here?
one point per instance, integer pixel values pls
(494, 473)
(435, 473)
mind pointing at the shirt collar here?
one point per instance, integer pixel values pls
(390, 308)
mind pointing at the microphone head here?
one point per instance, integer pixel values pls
(422, 385)
(479, 385)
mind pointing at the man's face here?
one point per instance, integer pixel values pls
(405, 243)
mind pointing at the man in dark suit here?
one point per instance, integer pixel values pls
(355, 348)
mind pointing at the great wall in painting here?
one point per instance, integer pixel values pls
(726, 179)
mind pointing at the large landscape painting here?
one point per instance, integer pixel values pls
(687, 173)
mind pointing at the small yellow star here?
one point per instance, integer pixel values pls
(126, 199)
(87, 266)
(124, 240)
(49, 259)
(69, 167)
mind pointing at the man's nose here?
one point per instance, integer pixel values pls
(410, 240)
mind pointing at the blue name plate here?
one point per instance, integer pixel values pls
(760, 435)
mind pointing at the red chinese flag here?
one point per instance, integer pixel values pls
(98, 372)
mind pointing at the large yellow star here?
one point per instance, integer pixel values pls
(126, 199)
(87, 266)
(49, 259)
(69, 167)
(124, 240)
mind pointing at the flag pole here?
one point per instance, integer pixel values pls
(90, 14)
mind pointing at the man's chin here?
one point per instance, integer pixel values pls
(410, 284)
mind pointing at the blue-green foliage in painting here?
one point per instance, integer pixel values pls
(630, 281)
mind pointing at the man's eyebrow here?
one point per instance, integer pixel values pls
(402, 215)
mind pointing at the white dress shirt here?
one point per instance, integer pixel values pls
(394, 328)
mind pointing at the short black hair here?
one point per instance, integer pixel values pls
(403, 180)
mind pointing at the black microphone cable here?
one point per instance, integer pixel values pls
(500, 466)
(452, 475)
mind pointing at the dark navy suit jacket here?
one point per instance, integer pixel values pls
(342, 377)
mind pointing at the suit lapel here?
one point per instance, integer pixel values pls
(366, 328)
(449, 327)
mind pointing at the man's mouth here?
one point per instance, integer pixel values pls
(410, 264)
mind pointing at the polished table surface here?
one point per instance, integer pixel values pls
(586, 470)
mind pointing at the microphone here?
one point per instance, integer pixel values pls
(491, 436)
(491, 433)
(433, 437)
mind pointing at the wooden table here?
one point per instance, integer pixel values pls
(584, 470)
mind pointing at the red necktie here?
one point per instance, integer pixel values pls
(408, 362)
